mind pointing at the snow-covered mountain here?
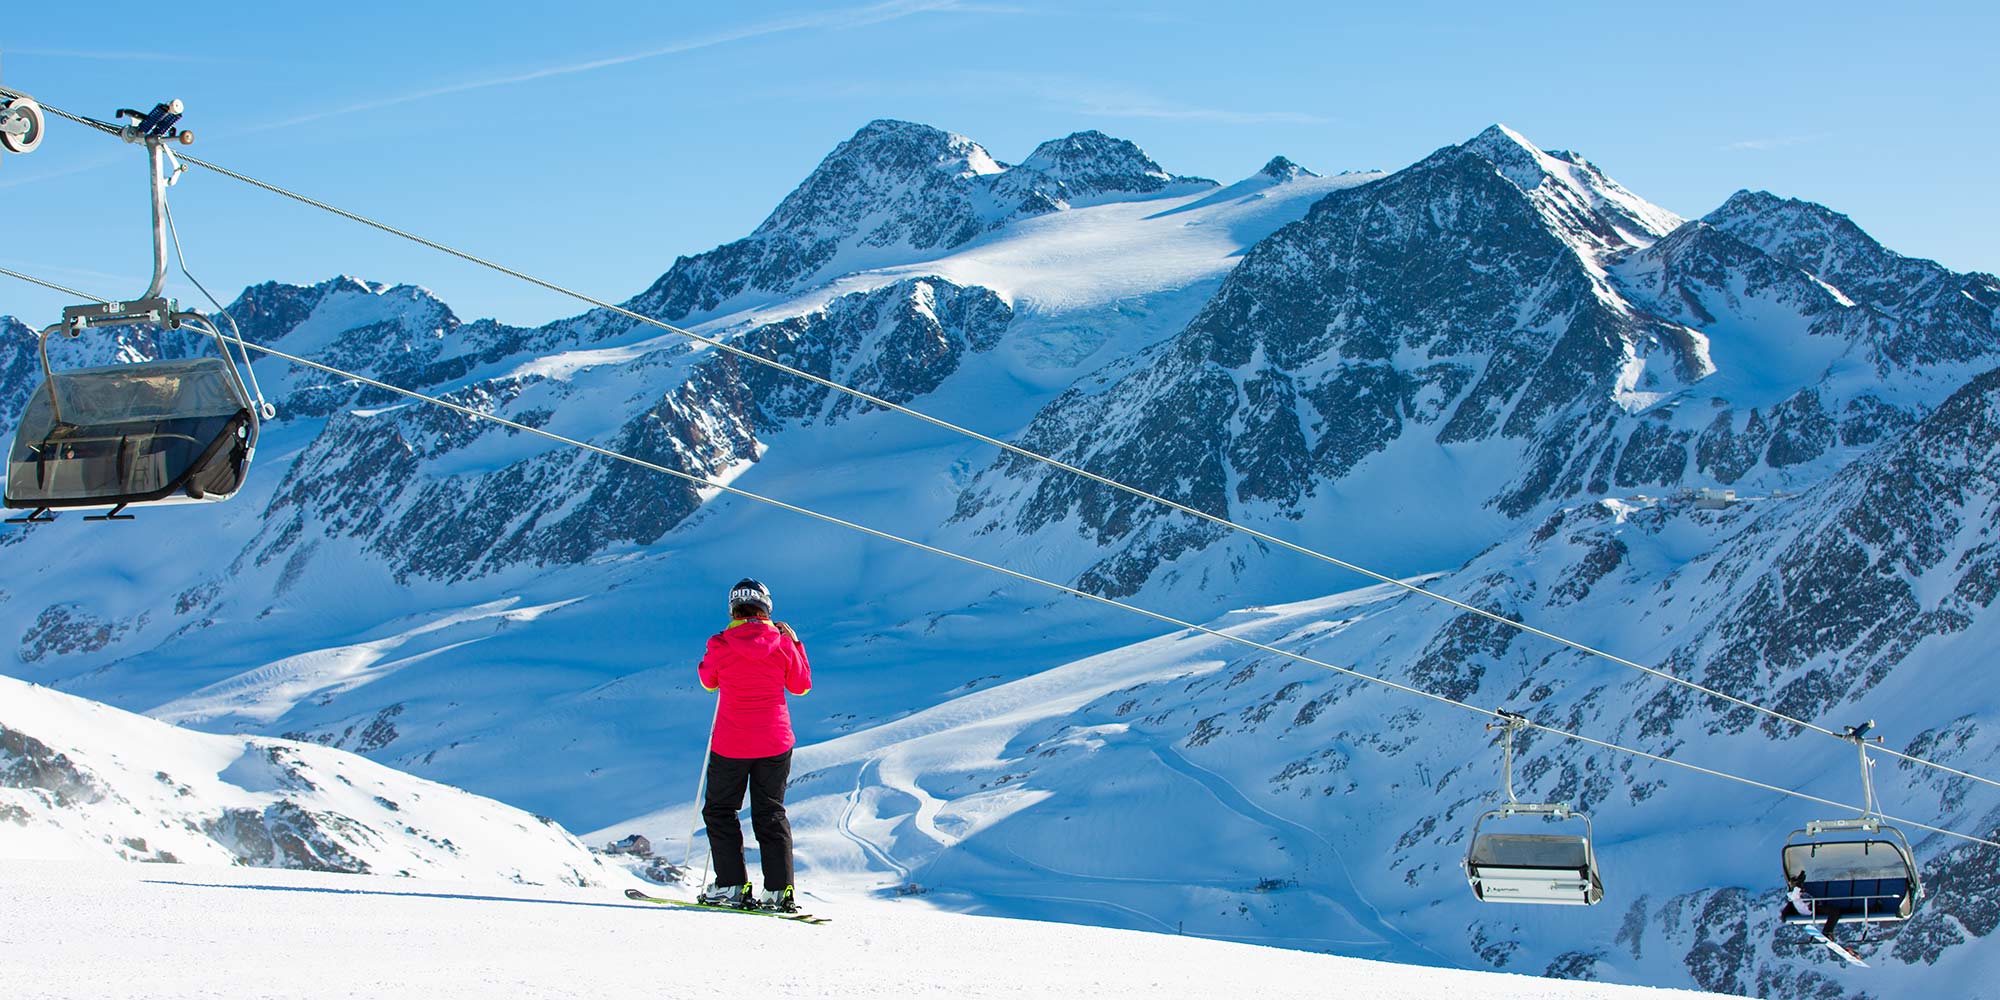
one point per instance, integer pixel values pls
(1482, 336)
(1478, 366)
(85, 781)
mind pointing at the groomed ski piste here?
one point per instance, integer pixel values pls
(109, 930)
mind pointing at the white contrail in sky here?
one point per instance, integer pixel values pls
(109, 55)
(1775, 142)
(850, 17)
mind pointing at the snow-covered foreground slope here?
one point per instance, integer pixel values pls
(108, 931)
(82, 780)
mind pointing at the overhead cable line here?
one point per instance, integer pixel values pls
(1027, 453)
(705, 483)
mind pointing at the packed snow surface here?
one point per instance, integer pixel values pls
(110, 930)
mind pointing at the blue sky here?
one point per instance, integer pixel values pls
(595, 141)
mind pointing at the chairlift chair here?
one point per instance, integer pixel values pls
(156, 432)
(1859, 869)
(153, 432)
(1555, 869)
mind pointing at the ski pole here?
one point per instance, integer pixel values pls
(701, 786)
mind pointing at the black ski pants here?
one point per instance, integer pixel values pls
(765, 777)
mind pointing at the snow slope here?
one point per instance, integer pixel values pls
(1190, 784)
(108, 931)
(85, 781)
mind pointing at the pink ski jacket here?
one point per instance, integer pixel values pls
(753, 664)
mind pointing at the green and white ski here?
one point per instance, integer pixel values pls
(797, 918)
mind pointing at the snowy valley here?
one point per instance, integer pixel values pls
(1496, 371)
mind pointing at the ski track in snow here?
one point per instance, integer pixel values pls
(1234, 799)
(867, 846)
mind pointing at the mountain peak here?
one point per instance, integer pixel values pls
(1512, 153)
(1805, 233)
(1282, 169)
(1077, 168)
(1092, 154)
(1575, 179)
(1746, 204)
(887, 165)
(1497, 137)
(1835, 250)
(900, 147)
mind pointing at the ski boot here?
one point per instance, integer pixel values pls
(778, 900)
(737, 896)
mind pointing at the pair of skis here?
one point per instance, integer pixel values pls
(1835, 946)
(797, 918)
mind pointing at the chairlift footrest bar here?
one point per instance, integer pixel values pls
(114, 514)
(154, 310)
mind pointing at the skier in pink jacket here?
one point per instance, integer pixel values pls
(753, 663)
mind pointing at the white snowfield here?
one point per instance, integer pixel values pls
(84, 781)
(108, 930)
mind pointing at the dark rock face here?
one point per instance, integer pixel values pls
(26, 762)
(20, 367)
(1444, 300)
(370, 476)
(63, 629)
(1282, 169)
(1451, 664)
(1920, 313)
(1507, 299)
(1080, 168)
(892, 184)
(1575, 965)
(283, 835)
(1891, 553)
(896, 343)
(1961, 901)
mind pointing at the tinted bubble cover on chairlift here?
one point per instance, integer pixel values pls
(151, 432)
(1557, 869)
(1870, 880)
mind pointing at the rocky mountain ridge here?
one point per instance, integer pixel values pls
(1517, 303)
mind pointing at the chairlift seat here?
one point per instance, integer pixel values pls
(152, 432)
(1533, 868)
(1872, 881)
(1547, 868)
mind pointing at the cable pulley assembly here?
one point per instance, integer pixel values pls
(21, 122)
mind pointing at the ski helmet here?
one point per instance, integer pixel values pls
(749, 592)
